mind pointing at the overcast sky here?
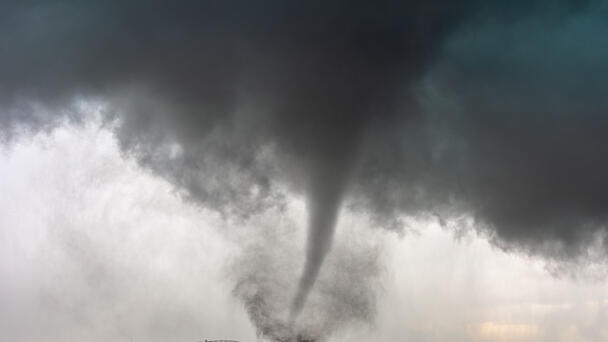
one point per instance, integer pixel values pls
(95, 248)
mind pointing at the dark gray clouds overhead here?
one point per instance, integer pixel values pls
(528, 126)
(491, 109)
(222, 78)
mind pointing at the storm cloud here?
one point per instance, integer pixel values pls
(485, 110)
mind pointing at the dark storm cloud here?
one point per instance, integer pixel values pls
(490, 109)
(514, 134)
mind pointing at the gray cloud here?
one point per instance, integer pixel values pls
(491, 110)
(528, 125)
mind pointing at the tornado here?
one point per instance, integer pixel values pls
(311, 96)
(324, 200)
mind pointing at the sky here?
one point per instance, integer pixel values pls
(96, 248)
(305, 145)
